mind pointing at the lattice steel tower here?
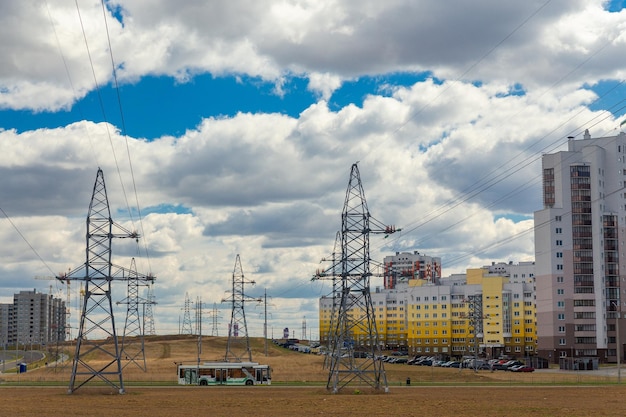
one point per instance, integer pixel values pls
(133, 343)
(238, 342)
(334, 275)
(186, 329)
(148, 315)
(97, 325)
(214, 321)
(355, 325)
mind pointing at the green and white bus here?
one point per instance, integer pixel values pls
(225, 373)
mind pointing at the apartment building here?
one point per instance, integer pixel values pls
(33, 318)
(441, 318)
(406, 266)
(579, 250)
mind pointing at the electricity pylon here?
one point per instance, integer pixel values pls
(214, 321)
(355, 325)
(148, 314)
(133, 343)
(334, 275)
(97, 325)
(238, 344)
(186, 329)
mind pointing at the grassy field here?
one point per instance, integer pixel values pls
(298, 387)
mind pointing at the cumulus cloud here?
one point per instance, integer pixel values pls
(448, 158)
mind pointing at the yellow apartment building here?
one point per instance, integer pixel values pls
(441, 318)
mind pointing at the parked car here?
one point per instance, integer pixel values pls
(525, 368)
(502, 366)
(510, 364)
(454, 364)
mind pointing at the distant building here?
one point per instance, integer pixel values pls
(406, 266)
(33, 318)
(488, 311)
(579, 236)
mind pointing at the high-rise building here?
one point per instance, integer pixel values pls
(406, 266)
(579, 251)
(33, 318)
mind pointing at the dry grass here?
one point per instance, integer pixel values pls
(464, 393)
(163, 352)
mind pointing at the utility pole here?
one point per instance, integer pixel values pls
(199, 326)
(265, 320)
(356, 316)
(97, 324)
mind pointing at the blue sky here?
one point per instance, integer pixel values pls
(241, 124)
(159, 106)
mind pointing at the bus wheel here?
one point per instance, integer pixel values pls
(203, 382)
(249, 382)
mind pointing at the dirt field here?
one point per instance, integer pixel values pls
(299, 389)
(286, 401)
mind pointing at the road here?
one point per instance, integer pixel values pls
(11, 358)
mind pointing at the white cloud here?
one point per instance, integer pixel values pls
(439, 158)
(533, 43)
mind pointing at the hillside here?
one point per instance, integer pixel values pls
(163, 353)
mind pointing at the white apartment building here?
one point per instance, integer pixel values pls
(579, 250)
(406, 266)
(33, 318)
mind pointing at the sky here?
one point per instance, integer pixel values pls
(226, 128)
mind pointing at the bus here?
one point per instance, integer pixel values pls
(224, 373)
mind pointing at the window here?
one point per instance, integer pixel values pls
(559, 230)
(559, 267)
(559, 279)
(557, 218)
(561, 329)
(562, 342)
(559, 243)
(560, 316)
(559, 254)
(560, 291)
